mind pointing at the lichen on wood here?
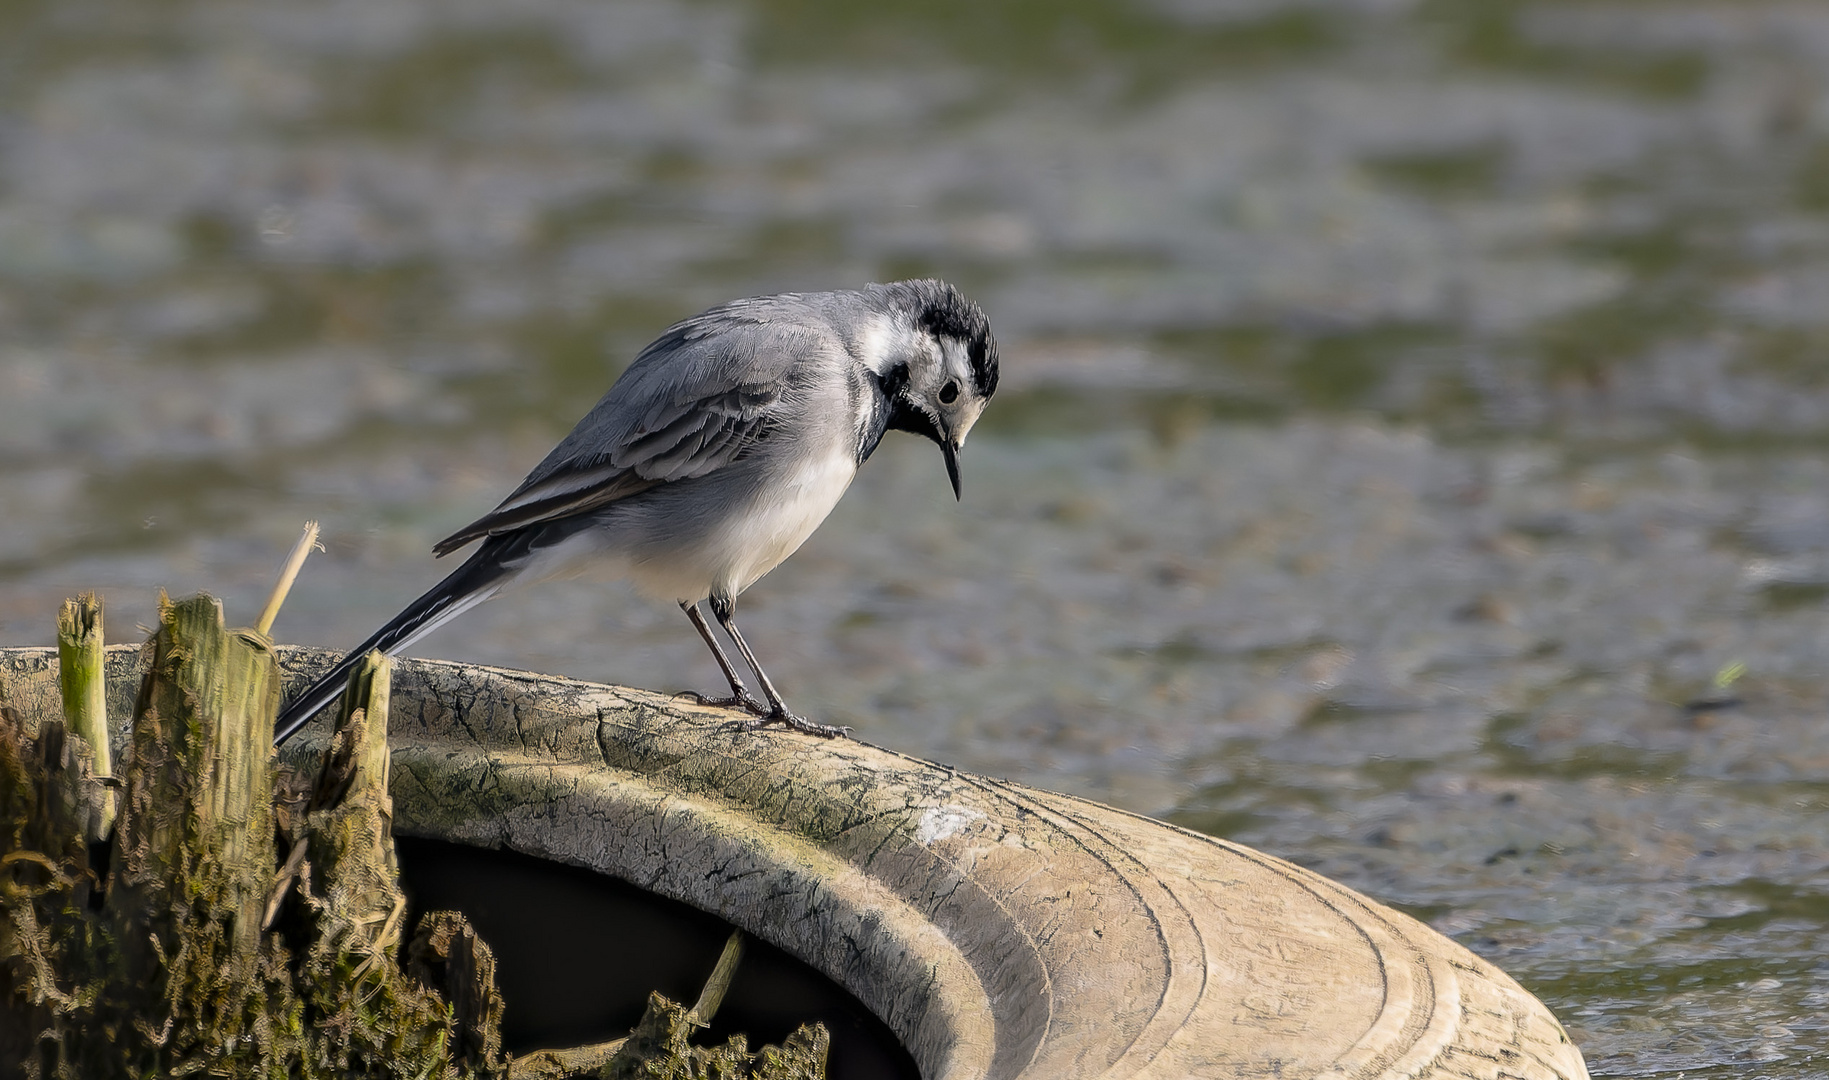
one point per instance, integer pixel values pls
(81, 677)
(191, 947)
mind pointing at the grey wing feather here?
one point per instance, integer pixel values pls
(692, 402)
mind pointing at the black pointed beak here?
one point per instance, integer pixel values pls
(951, 451)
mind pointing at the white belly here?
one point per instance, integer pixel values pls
(754, 544)
(748, 543)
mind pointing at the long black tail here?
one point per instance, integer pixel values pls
(480, 577)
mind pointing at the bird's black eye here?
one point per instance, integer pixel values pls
(949, 393)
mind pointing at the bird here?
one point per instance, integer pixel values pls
(712, 458)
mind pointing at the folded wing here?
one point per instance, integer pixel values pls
(696, 400)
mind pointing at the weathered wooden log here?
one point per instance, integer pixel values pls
(348, 883)
(192, 855)
(1000, 930)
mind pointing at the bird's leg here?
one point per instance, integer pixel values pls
(725, 608)
(740, 697)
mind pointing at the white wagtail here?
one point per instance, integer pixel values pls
(714, 456)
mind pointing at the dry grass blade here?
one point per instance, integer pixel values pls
(287, 575)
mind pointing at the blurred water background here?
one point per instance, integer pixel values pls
(1413, 456)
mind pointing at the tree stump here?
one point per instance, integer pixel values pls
(183, 944)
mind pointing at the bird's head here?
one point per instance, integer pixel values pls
(938, 364)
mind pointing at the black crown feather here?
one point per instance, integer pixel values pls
(944, 311)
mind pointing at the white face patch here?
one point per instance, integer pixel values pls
(964, 418)
(884, 343)
(955, 367)
(777, 526)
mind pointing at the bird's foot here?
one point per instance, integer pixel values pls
(741, 699)
(789, 720)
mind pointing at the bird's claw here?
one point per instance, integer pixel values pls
(765, 715)
(789, 720)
